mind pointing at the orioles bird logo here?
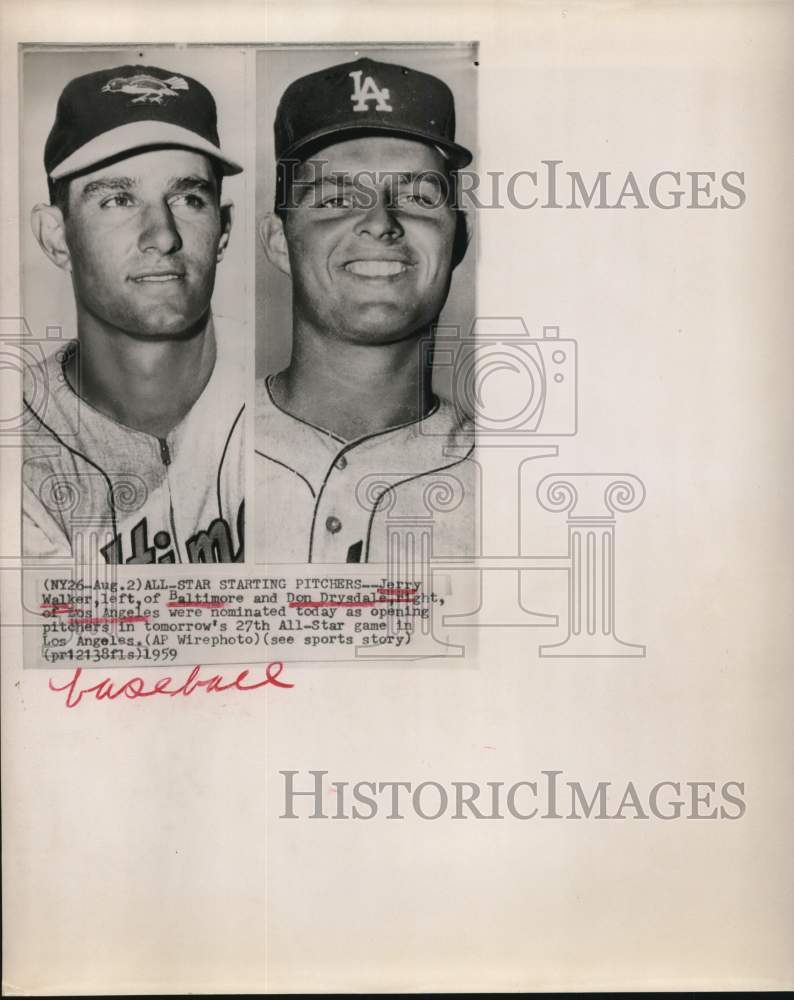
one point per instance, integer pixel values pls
(150, 89)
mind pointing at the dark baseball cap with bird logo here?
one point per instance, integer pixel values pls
(112, 112)
(366, 97)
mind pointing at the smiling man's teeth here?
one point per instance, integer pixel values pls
(159, 277)
(376, 268)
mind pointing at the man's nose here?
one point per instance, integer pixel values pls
(380, 220)
(158, 230)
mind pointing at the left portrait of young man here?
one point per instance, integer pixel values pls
(135, 442)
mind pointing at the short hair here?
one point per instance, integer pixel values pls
(59, 188)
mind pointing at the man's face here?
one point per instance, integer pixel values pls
(370, 239)
(144, 237)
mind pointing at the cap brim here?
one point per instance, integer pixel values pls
(138, 135)
(458, 155)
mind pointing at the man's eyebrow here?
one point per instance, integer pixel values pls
(107, 184)
(308, 189)
(177, 185)
(190, 183)
(338, 180)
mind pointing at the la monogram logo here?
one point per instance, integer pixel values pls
(368, 91)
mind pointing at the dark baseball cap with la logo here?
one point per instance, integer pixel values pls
(111, 112)
(366, 97)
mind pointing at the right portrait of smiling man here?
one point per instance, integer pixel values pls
(350, 436)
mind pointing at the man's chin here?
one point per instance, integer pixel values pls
(379, 325)
(165, 324)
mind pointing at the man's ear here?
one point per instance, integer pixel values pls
(274, 242)
(48, 228)
(227, 213)
(463, 233)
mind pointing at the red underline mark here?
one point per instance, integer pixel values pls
(109, 621)
(351, 604)
(195, 604)
(59, 609)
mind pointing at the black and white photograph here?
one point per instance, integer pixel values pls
(135, 394)
(365, 253)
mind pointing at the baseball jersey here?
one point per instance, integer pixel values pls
(325, 500)
(133, 497)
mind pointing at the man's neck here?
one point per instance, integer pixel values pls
(147, 384)
(353, 390)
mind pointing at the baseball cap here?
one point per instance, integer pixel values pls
(114, 111)
(366, 97)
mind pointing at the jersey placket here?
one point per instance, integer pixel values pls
(342, 511)
(166, 446)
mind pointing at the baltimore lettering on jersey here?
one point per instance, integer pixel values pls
(215, 544)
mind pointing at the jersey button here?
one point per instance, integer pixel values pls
(333, 524)
(341, 462)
